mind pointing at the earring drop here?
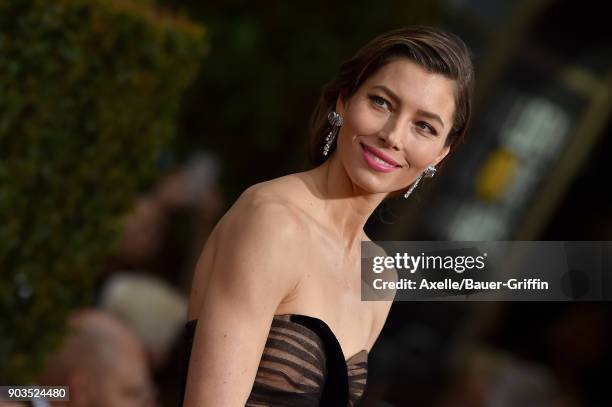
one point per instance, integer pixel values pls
(336, 120)
(429, 172)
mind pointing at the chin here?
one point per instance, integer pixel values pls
(368, 181)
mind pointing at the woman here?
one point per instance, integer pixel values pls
(275, 313)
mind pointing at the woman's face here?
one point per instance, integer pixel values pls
(395, 125)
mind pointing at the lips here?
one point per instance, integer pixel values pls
(380, 155)
(377, 160)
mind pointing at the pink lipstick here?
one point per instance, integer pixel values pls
(377, 160)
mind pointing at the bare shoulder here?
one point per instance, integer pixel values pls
(285, 189)
(264, 215)
(268, 205)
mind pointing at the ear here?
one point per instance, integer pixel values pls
(443, 153)
(341, 103)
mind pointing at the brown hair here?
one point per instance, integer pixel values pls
(435, 50)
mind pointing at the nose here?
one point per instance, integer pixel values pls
(390, 137)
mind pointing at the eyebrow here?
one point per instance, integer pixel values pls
(396, 99)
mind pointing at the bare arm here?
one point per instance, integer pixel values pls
(252, 273)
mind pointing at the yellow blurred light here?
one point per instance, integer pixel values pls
(496, 174)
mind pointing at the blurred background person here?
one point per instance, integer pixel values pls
(102, 362)
(168, 224)
(155, 311)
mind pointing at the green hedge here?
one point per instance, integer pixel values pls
(89, 94)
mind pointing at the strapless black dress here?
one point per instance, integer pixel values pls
(302, 365)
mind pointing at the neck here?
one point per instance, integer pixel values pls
(346, 206)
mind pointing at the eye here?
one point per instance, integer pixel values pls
(425, 126)
(380, 102)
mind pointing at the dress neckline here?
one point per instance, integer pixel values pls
(325, 326)
(358, 353)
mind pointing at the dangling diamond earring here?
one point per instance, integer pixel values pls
(336, 120)
(429, 172)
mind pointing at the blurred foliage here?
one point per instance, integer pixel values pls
(267, 63)
(90, 95)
